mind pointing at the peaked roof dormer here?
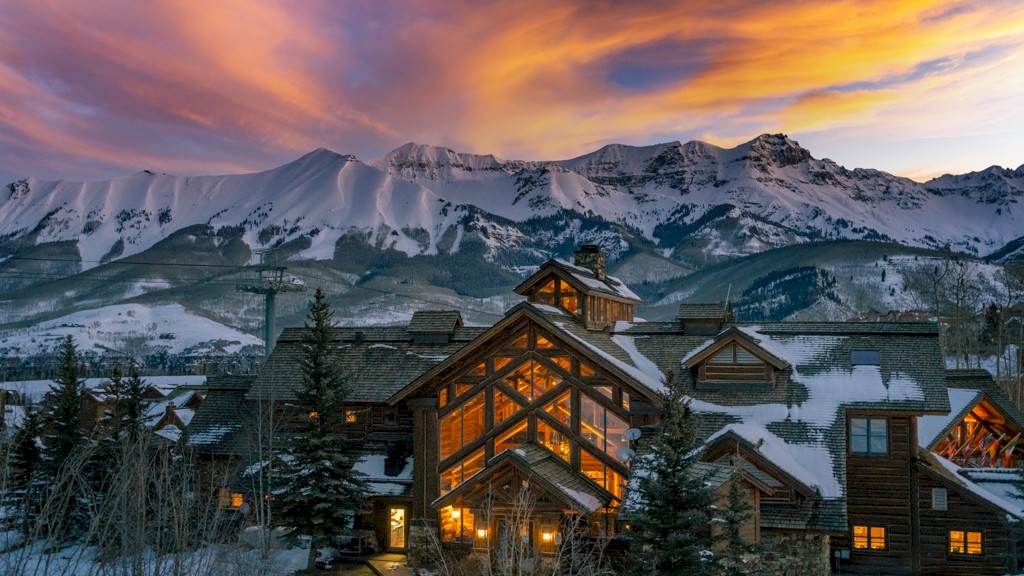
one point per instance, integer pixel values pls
(581, 288)
(983, 427)
(733, 358)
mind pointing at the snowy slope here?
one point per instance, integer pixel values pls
(760, 195)
(113, 328)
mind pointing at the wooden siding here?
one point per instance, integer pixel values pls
(879, 494)
(964, 512)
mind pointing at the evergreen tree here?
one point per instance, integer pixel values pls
(65, 434)
(672, 501)
(736, 513)
(321, 492)
(25, 493)
(67, 451)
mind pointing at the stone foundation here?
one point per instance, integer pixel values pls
(793, 555)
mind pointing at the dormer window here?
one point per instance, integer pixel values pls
(864, 358)
(558, 292)
(734, 363)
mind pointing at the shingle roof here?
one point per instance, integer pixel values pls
(218, 426)
(377, 360)
(702, 312)
(435, 321)
(583, 278)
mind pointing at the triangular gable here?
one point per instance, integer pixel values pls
(731, 442)
(521, 313)
(500, 481)
(948, 474)
(728, 337)
(581, 279)
(981, 433)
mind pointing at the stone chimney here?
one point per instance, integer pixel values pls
(590, 256)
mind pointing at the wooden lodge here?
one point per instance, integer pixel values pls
(843, 432)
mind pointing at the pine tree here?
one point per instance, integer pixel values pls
(26, 487)
(65, 435)
(672, 501)
(736, 513)
(321, 491)
(67, 451)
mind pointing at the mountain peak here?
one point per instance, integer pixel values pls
(422, 156)
(778, 150)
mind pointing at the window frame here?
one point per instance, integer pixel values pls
(869, 547)
(868, 436)
(965, 543)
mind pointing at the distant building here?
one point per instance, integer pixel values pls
(841, 430)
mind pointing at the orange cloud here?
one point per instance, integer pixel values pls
(198, 86)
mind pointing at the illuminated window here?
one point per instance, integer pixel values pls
(554, 440)
(227, 499)
(963, 542)
(511, 439)
(625, 401)
(442, 398)
(546, 293)
(567, 297)
(350, 416)
(560, 408)
(520, 342)
(500, 362)
(601, 474)
(543, 342)
(480, 370)
(563, 362)
(314, 414)
(462, 426)
(504, 407)
(457, 524)
(869, 537)
(869, 436)
(606, 390)
(532, 379)
(586, 371)
(461, 471)
(602, 428)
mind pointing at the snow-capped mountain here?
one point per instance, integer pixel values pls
(447, 227)
(420, 199)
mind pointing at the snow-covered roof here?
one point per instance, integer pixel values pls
(584, 279)
(1000, 496)
(930, 428)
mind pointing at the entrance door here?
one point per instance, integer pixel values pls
(396, 530)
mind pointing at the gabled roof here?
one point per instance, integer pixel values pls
(724, 338)
(582, 279)
(616, 353)
(966, 390)
(770, 454)
(539, 464)
(377, 360)
(435, 321)
(959, 478)
(704, 312)
(218, 426)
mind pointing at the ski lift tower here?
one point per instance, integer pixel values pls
(268, 280)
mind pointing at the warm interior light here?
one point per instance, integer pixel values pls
(547, 536)
(313, 414)
(481, 533)
(456, 514)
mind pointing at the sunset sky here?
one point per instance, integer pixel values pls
(103, 88)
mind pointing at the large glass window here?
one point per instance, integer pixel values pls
(504, 407)
(461, 471)
(568, 298)
(560, 408)
(462, 426)
(511, 439)
(456, 524)
(532, 379)
(554, 440)
(602, 428)
(869, 436)
(546, 293)
(601, 474)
